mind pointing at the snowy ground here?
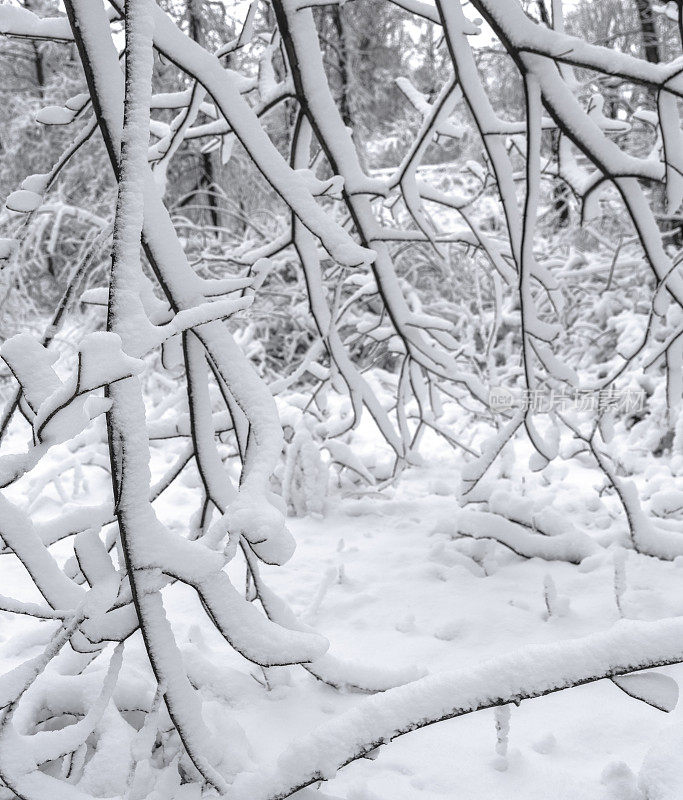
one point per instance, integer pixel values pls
(405, 598)
(383, 581)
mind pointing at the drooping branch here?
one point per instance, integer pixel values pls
(531, 672)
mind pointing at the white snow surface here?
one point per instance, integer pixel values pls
(383, 579)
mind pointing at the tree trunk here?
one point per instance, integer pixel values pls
(648, 31)
(208, 178)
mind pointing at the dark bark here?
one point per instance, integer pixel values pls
(207, 179)
(343, 64)
(543, 11)
(38, 57)
(648, 31)
(561, 193)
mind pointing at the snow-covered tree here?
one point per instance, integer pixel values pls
(260, 324)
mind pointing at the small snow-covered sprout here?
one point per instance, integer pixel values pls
(304, 485)
(556, 605)
(620, 581)
(502, 716)
(329, 578)
(341, 559)
(484, 554)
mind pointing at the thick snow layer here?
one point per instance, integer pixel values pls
(23, 200)
(392, 590)
(55, 115)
